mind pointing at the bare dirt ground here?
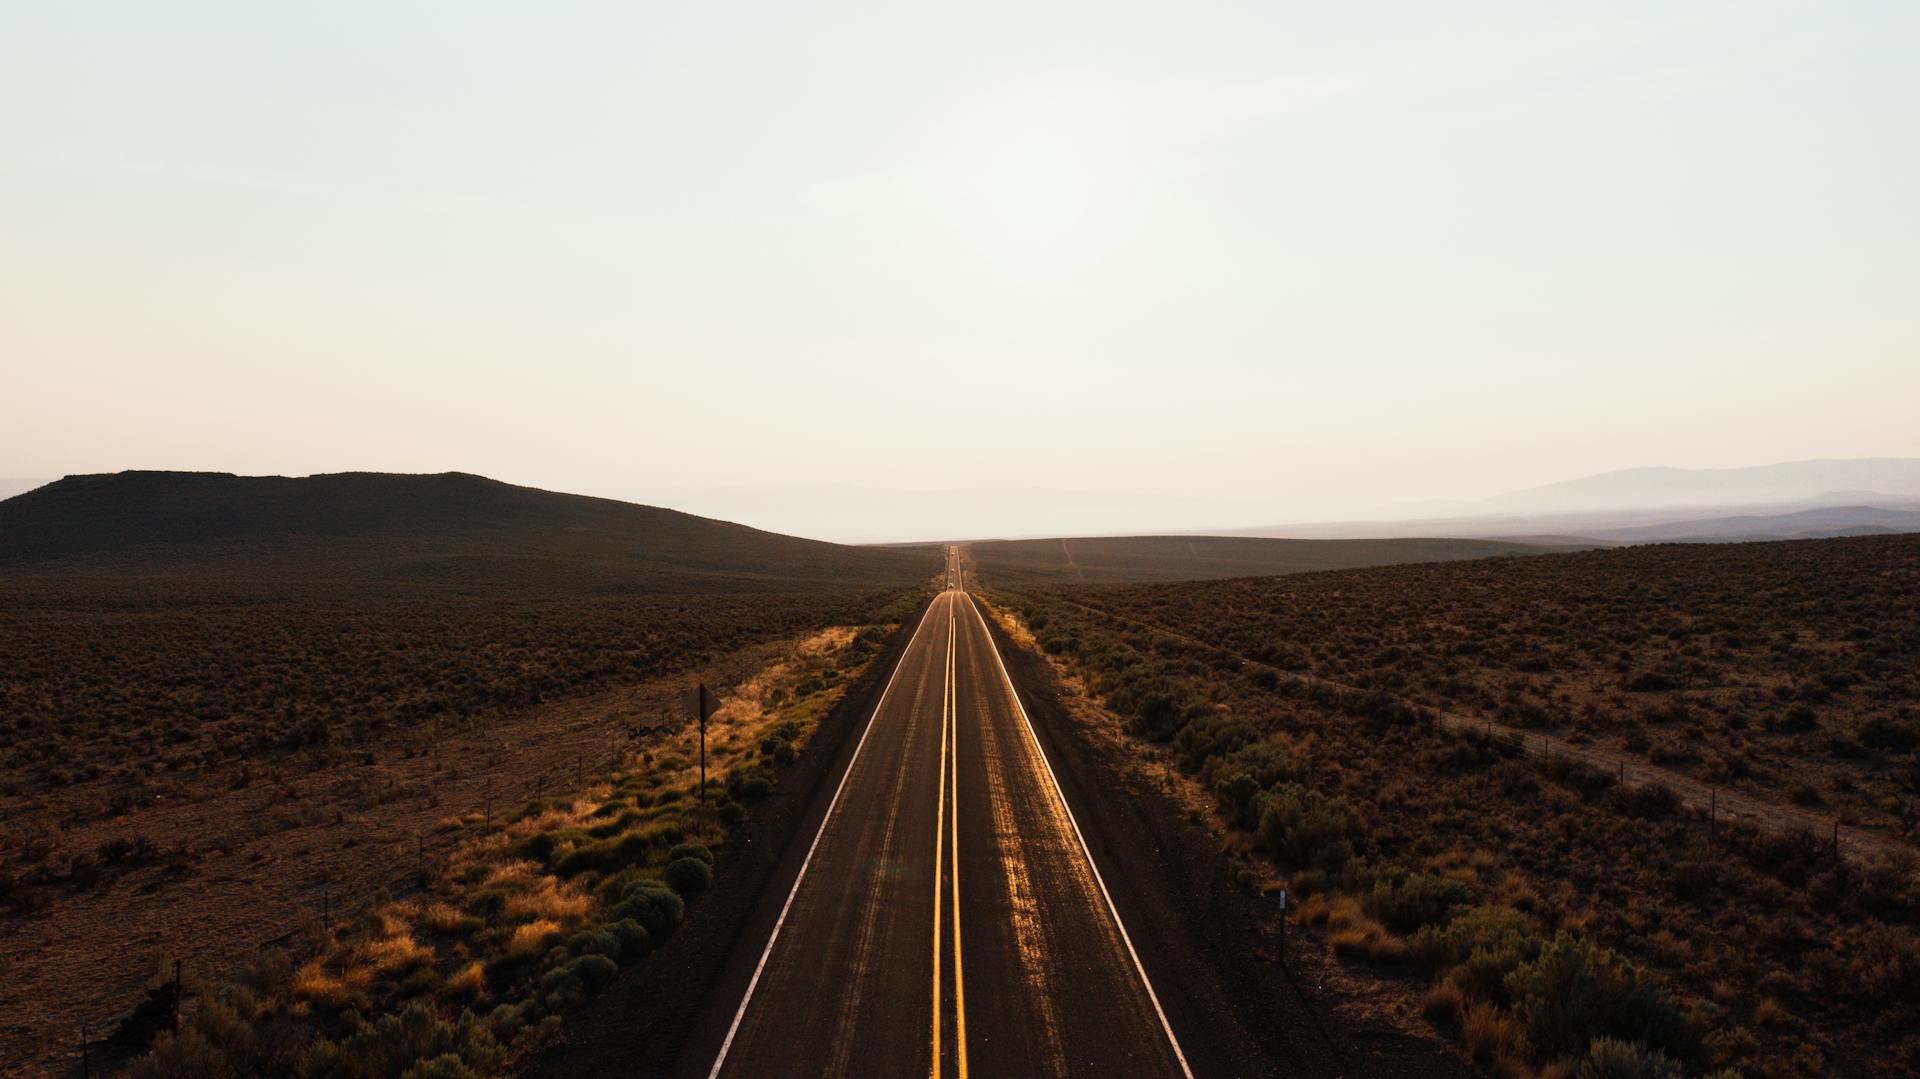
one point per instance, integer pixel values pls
(291, 846)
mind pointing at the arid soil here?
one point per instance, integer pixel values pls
(238, 869)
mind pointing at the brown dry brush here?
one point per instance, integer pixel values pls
(498, 940)
(1561, 915)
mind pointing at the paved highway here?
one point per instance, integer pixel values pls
(948, 919)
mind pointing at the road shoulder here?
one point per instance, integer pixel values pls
(1206, 944)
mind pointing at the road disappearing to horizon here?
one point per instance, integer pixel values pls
(948, 918)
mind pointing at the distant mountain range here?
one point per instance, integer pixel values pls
(1795, 500)
(1868, 481)
(1822, 523)
(352, 532)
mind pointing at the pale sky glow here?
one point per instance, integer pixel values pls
(1296, 259)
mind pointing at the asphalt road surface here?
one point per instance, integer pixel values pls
(948, 918)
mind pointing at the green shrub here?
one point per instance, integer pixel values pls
(1478, 948)
(688, 876)
(593, 971)
(215, 1042)
(690, 850)
(634, 939)
(601, 941)
(394, 1044)
(1407, 901)
(754, 782)
(657, 907)
(447, 1066)
(606, 856)
(540, 846)
(777, 747)
(1306, 829)
(1240, 776)
(732, 814)
(1155, 705)
(1211, 736)
(561, 991)
(1574, 992)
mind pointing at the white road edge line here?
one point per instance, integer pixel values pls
(734, 1027)
(1084, 849)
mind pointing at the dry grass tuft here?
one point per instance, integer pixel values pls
(533, 937)
(1489, 1032)
(1442, 1004)
(521, 873)
(442, 918)
(1351, 932)
(395, 956)
(313, 984)
(469, 981)
(549, 903)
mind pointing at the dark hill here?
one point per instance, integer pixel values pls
(385, 531)
(1193, 558)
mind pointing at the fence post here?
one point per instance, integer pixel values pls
(86, 1061)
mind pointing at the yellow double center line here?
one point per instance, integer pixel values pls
(946, 845)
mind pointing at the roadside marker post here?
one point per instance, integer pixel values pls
(1283, 927)
(700, 703)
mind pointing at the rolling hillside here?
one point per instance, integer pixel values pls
(382, 532)
(1193, 558)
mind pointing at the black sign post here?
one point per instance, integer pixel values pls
(703, 743)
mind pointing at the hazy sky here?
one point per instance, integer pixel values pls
(1312, 258)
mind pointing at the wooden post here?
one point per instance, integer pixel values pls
(86, 1061)
(702, 703)
(326, 911)
(1836, 840)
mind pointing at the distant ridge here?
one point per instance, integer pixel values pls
(1648, 505)
(1862, 481)
(1825, 522)
(449, 530)
(1196, 558)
